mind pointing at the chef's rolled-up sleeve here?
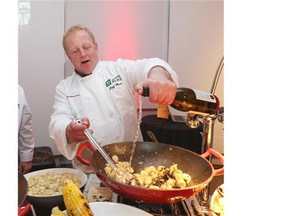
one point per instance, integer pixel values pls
(138, 70)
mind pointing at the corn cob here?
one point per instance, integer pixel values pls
(74, 200)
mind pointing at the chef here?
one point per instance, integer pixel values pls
(101, 93)
(26, 142)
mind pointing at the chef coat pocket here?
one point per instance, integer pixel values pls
(76, 105)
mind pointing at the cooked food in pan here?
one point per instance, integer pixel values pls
(151, 177)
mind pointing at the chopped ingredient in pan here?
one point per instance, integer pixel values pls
(151, 177)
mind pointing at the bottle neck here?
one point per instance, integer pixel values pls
(162, 112)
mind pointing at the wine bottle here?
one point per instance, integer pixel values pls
(162, 111)
(195, 101)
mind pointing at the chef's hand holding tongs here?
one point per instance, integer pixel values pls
(128, 176)
(74, 131)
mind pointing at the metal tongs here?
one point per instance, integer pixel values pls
(128, 176)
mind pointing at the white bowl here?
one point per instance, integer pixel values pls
(111, 208)
(49, 201)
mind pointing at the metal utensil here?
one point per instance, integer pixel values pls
(152, 136)
(95, 144)
(100, 149)
(33, 211)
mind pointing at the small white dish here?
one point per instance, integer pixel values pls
(119, 209)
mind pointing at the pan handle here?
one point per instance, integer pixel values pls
(22, 211)
(81, 149)
(219, 156)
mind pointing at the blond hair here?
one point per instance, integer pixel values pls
(73, 29)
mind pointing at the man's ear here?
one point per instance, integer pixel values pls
(96, 46)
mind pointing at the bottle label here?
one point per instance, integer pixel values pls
(205, 96)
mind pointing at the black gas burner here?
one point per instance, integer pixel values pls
(189, 206)
(180, 208)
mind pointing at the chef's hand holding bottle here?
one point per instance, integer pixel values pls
(162, 89)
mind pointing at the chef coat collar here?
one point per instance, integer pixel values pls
(81, 74)
(84, 75)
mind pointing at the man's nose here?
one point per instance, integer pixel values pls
(82, 52)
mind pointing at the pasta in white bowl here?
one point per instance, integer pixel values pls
(45, 186)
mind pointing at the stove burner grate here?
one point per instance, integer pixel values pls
(180, 208)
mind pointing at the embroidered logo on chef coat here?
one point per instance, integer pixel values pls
(114, 82)
(108, 82)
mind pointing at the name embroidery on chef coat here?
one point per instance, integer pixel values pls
(114, 82)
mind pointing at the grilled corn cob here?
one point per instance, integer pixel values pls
(74, 200)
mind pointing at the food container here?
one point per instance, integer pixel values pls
(155, 154)
(217, 201)
(49, 201)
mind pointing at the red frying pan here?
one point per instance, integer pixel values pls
(150, 153)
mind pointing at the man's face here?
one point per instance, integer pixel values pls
(82, 52)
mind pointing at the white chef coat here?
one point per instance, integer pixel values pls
(25, 133)
(106, 97)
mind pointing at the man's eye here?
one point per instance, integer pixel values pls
(74, 52)
(87, 48)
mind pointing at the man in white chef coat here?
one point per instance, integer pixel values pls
(101, 93)
(25, 134)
